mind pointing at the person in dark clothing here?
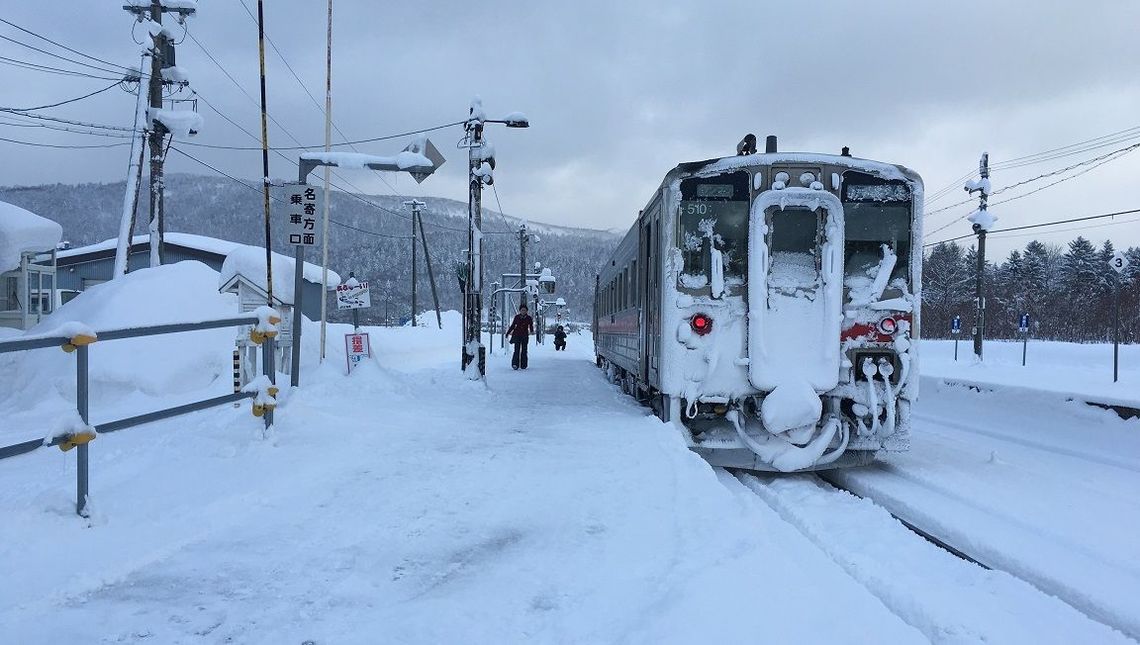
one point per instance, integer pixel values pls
(559, 339)
(519, 332)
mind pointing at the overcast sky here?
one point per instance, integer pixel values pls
(620, 92)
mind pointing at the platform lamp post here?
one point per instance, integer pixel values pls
(481, 166)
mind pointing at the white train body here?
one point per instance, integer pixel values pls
(769, 305)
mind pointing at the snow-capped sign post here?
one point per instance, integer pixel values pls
(1023, 327)
(1118, 263)
(420, 158)
(956, 331)
(301, 231)
(982, 221)
(353, 294)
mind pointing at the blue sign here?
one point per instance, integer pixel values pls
(956, 325)
(1024, 325)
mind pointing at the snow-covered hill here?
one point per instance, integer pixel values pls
(219, 207)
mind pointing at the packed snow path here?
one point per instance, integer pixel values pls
(406, 504)
(415, 507)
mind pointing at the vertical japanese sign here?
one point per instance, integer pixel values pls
(357, 348)
(301, 206)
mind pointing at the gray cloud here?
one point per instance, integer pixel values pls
(619, 92)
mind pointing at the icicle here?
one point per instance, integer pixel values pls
(717, 280)
(869, 371)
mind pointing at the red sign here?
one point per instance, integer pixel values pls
(356, 349)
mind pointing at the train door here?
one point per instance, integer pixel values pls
(795, 275)
(650, 294)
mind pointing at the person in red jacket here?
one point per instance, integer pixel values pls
(519, 332)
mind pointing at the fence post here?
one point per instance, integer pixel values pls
(267, 359)
(82, 406)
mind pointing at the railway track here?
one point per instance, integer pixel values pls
(981, 557)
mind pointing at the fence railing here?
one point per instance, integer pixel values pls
(79, 342)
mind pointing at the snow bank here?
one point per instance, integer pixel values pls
(127, 376)
(21, 232)
(1075, 370)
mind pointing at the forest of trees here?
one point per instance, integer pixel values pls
(1067, 291)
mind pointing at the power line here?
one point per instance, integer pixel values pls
(61, 57)
(258, 190)
(1040, 225)
(68, 146)
(1102, 160)
(62, 46)
(64, 128)
(1101, 141)
(51, 105)
(386, 137)
(51, 70)
(44, 117)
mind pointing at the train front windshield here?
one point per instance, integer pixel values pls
(714, 214)
(876, 213)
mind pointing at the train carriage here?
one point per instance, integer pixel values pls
(768, 304)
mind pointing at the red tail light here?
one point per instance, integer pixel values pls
(888, 326)
(701, 324)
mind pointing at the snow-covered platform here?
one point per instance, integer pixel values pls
(406, 504)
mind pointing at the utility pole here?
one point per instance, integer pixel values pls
(162, 57)
(134, 174)
(325, 206)
(981, 221)
(416, 205)
(480, 164)
(523, 239)
(472, 345)
(431, 274)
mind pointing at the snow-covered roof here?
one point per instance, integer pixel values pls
(210, 245)
(23, 231)
(249, 263)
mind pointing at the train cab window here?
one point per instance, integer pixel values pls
(876, 212)
(793, 244)
(714, 214)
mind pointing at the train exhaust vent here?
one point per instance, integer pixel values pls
(770, 144)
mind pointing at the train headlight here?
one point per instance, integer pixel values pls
(806, 179)
(701, 324)
(888, 326)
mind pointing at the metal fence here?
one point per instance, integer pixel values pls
(80, 440)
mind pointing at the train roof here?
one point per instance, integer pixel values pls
(720, 164)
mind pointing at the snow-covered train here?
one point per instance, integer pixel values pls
(769, 305)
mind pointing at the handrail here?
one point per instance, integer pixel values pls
(80, 345)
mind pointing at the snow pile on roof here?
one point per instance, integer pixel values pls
(983, 218)
(23, 231)
(209, 245)
(122, 371)
(249, 262)
(181, 123)
(404, 160)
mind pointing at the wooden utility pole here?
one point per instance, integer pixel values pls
(980, 229)
(162, 57)
(431, 275)
(416, 205)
